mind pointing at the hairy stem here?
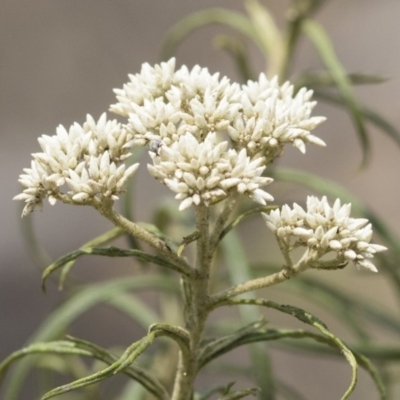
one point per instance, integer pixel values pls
(278, 277)
(105, 209)
(196, 309)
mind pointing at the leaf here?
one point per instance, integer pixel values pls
(373, 117)
(203, 18)
(56, 347)
(238, 52)
(139, 374)
(81, 302)
(327, 53)
(135, 308)
(269, 36)
(108, 252)
(243, 216)
(214, 348)
(317, 79)
(98, 241)
(128, 357)
(239, 394)
(309, 319)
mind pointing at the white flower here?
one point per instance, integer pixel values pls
(272, 117)
(325, 229)
(86, 158)
(204, 172)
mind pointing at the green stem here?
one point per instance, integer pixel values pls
(133, 229)
(278, 277)
(196, 309)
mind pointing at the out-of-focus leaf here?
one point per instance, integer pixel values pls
(327, 53)
(317, 79)
(134, 308)
(203, 18)
(239, 394)
(36, 251)
(239, 271)
(77, 305)
(384, 354)
(272, 44)
(128, 198)
(98, 241)
(370, 115)
(157, 232)
(243, 216)
(237, 50)
(107, 252)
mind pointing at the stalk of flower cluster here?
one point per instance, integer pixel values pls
(284, 274)
(105, 208)
(196, 308)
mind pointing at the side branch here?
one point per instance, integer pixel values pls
(259, 283)
(105, 209)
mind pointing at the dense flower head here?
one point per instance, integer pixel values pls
(263, 116)
(205, 172)
(325, 229)
(86, 159)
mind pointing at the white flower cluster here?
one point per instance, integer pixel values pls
(184, 114)
(87, 159)
(262, 116)
(325, 229)
(204, 172)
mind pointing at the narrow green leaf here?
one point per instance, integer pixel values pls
(327, 53)
(98, 241)
(107, 252)
(243, 216)
(56, 347)
(268, 34)
(141, 375)
(203, 18)
(135, 308)
(239, 394)
(213, 349)
(371, 116)
(240, 272)
(77, 305)
(127, 358)
(36, 251)
(238, 52)
(309, 319)
(316, 79)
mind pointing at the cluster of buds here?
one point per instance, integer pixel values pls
(87, 159)
(324, 229)
(183, 114)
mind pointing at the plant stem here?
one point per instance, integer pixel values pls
(284, 274)
(196, 309)
(105, 209)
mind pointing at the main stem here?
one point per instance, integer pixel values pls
(196, 309)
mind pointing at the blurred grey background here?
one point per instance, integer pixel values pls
(60, 59)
